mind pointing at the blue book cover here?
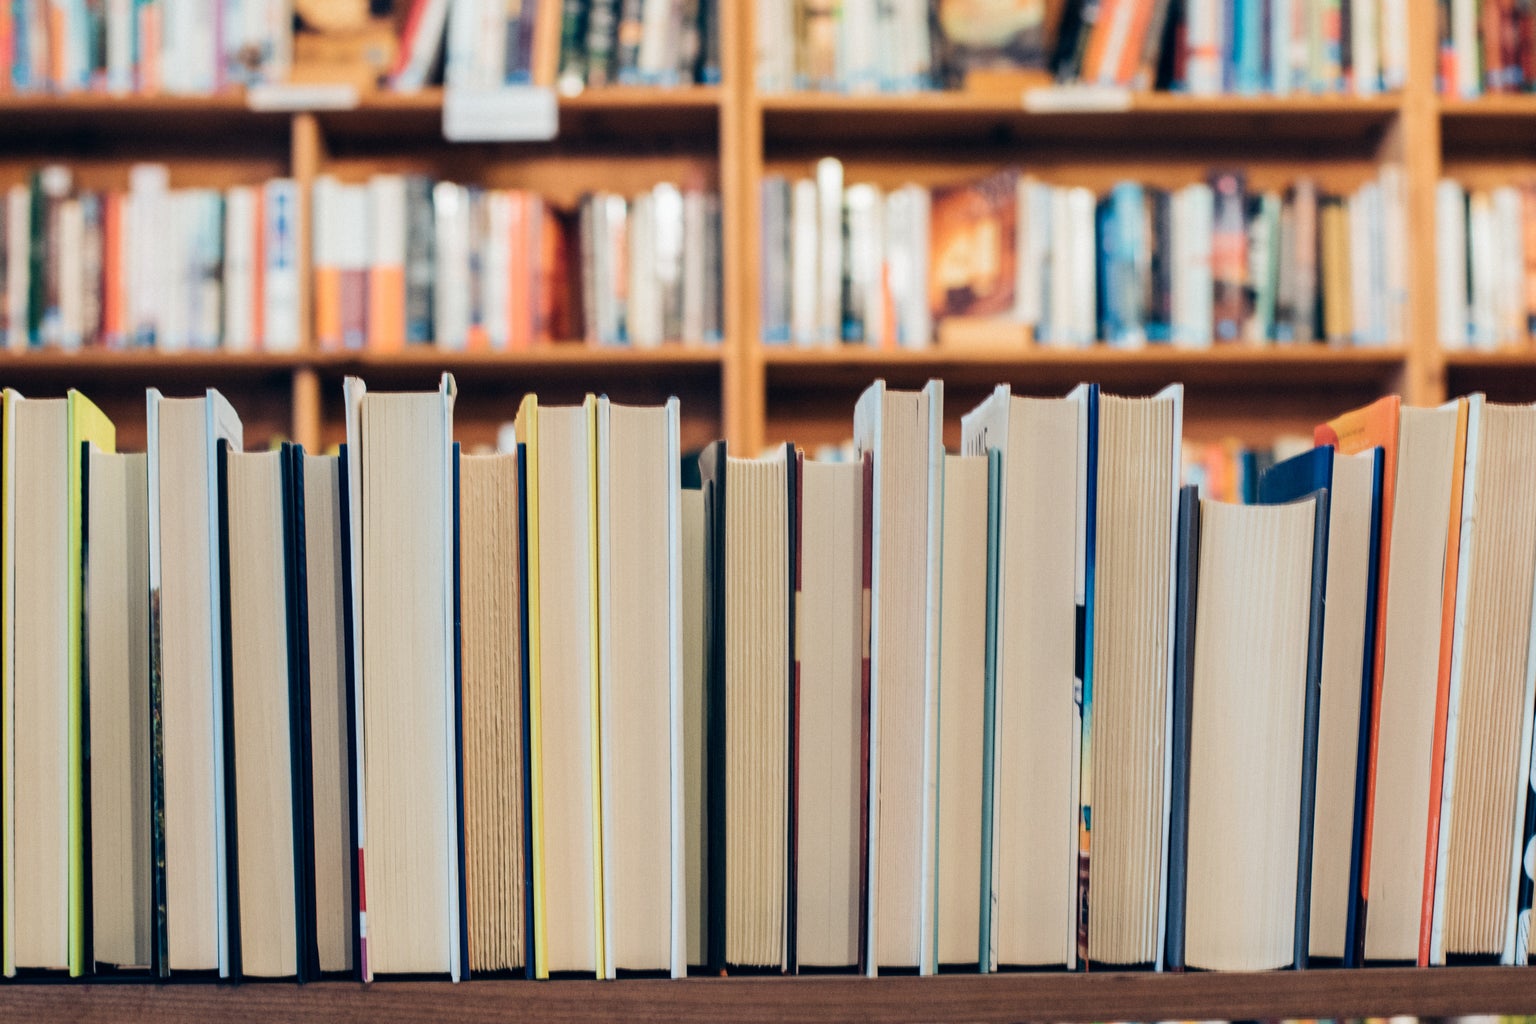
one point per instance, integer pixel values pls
(1248, 47)
(1122, 246)
(1089, 496)
(1183, 675)
(1296, 477)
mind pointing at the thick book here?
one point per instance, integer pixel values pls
(1354, 485)
(1035, 732)
(1253, 699)
(963, 632)
(831, 715)
(562, 637)
(402, 503)
(495, 840)
(265, 691)
(1482, 813)
(115, 549)
(749, 536)
(1131, 519)
(44, 839)
(1424, 450)
(902, 432)
(640, 686)
(187, 711)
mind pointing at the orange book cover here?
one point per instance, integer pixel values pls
(328, 307)
(1135, 42)
(386, 307)
(112, 331)
(58, 31)
(520, 285)
(1443, 681)
(1359, 430)
(1528, 230)
(1098, 42)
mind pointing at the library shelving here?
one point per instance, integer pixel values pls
(993, 999)
(730, 136)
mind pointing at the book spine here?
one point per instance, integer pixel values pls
(629, 33)
(829, 231)
(572, 74)
(695, 269)
(1304, 308)
(601, 28)
(239, 267)
(353, 258)
(280, 273)
(327, 227)
(1229, 255)
(804, 314)
(387, 259)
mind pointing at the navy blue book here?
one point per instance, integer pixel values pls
(1183, 677)
(1354, 484)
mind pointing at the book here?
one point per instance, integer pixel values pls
(1253, 706)
(563, 681)
(1011, 36)
(1422, 462)
(116, 557)
(1354, 485)
(831, 724)
(749, 507)
(640, 686)
(972, 247)
(495, 695)
(1489, 700)
(694, 659)
(188, 773)
(402, 502)
(1131, 500)
(901, 432)
(323, 518)
(44, 837)
(1039, 569)
(265, 691)
(960, 889)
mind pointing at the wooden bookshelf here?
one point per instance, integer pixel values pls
(995, 999)
(625, 138)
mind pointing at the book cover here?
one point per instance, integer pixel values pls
(990, 36)
(1183, 679)
(1371, 426)
(987, 939)
(1088, 503)
(972, 247)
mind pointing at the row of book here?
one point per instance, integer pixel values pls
(1214, 262)
(187, 47)
(571, 44)
(404, 260)
(1485, 265)
(397, 260)
(584, 706)
(1486, 46)
(1204, 47)
(175, 269)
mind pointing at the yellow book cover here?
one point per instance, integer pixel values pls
(527, 428)
(87, 425)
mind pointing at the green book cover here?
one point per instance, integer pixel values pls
(987, 950)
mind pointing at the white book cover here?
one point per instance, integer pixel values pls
(280, 275)
(1281, 24)
(1392, 244)
(665, 266)
(72, 284)
(1365, 50)
(240, 232)
(829, 229)
(120, 46)
(1394, 43)
(17, 241)
(413, 71)
(152, 257)
(496, 268)
(1204, 34)
(450, 291)
(1083, 272)
(1464, 43)
(658, 46)
(459, 71)
(1451, 264)
(1199, 211)
(804, 308)
(1509, 301)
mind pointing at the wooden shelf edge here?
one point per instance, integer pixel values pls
(996, 998)
(22, 364)
(940, 101)
(1510, 359)
(1160, 356)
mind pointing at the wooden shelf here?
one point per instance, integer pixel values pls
(996, 998)
(926, 117)
(1493, 122)
(1247, 366)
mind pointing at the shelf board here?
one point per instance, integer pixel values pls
(93, 369)
(1249, 367)
(1375, 992)
(824, 118)
(1500, 122)
(565, 362)
(1504, 359)
(625, 113)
